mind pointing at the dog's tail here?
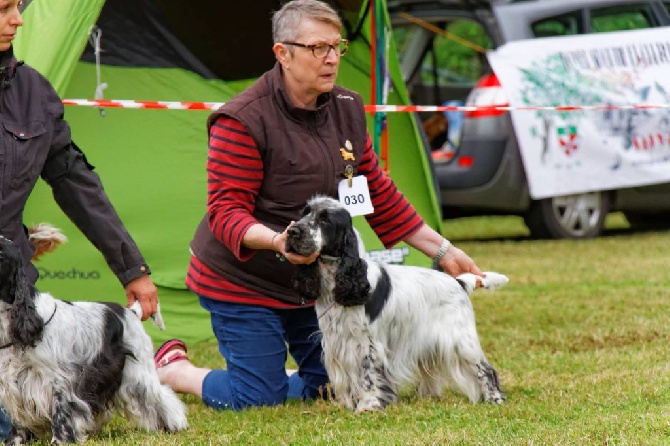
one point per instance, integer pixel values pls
(156, 318)
(490, 281)
(45, 238)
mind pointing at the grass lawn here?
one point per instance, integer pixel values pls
(579, 337)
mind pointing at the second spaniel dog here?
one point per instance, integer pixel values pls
(386, 327)
(67, 365)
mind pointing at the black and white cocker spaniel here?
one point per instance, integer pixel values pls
(67, 365)
(388, 327)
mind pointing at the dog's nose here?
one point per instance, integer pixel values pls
(294, 231)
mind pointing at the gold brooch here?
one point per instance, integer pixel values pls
(347, 154)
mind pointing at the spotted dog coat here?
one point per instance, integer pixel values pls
(387, 327)
(67, 365)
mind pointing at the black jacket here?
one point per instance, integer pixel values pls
(35, 141)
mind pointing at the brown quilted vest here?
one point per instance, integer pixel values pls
(300, 150)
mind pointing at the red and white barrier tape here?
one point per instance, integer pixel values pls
(442, 108)
(163, 105)
(172, 105)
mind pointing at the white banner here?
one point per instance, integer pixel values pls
(566, 152)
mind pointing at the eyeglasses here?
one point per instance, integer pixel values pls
(321, 50)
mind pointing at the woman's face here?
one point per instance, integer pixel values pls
(309, 76)
(10, 20)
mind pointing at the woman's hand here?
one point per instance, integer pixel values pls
(456, 262)
(144, 291)
(279, 245)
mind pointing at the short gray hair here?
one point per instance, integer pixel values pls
(286, 21)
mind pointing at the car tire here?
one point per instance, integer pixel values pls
(578, 216)
(648, 220)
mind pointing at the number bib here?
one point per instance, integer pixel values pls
(355, 197)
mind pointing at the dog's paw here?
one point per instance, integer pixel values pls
(496, 398)
(369, 404)
(18, 436)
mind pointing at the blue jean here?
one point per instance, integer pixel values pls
(254, 341)
(5, 424)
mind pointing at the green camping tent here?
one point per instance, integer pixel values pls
(152, 162)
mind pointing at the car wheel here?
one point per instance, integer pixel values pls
(578, 216)
(648, 220)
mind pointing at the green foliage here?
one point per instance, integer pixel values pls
(458, 59)
(621, 21)
(579, 337)
(454, 56)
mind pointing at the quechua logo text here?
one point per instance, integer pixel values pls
(68, 274)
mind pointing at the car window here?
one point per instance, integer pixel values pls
(441, 63)
(667, 6)
(614, 18)
(620, 18)
(455, 57)
(562, 25)
(459, 54)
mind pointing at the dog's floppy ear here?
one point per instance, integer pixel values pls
(351, 279)
(26, 326)
(307, 281)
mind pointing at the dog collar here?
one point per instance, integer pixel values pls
(2, 347)
(329, 259)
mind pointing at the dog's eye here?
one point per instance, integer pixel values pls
(306, 210)
(322, 219)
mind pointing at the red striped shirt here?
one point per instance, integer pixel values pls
(234, 177)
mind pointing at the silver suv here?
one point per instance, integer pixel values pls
(477, 164)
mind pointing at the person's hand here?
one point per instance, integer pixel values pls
(144, 291)
(456, 262)
(279, 245)
(297, 259)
